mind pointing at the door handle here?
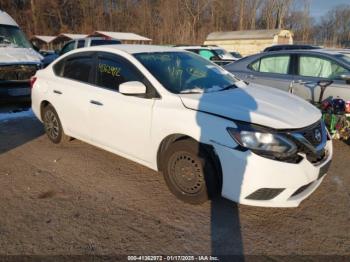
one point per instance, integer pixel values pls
(57, 92)
(94, 102)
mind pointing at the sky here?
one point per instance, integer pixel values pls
(318, 8)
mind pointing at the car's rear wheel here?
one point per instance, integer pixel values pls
(53, 126)
(189, 172)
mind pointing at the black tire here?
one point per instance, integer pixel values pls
(53, 126)
(190, 172)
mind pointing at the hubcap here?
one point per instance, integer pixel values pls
(186, 172)
(51, 124)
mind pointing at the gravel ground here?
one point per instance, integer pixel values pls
(79, 200)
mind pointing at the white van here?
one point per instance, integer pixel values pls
(18, 61)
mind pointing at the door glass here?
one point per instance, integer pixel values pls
(111, 72)
(104, 42)
(81, 43)
(319, 67)
(272, 64)
(78, 68)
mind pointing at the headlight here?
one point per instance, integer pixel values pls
(263, 142)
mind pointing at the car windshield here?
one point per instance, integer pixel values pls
(184, 72)
(13, 36)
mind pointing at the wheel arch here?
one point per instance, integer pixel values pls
(209, 149)
(43, 104)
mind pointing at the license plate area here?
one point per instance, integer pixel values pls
(24, 91)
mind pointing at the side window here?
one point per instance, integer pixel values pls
(81, 43)
(319, 67)
(113, 71)
(272, 64)
(104, 42)
(68, 47)
(78, 68)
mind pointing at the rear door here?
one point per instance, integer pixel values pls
(70, 92)
(311, 69)
(271, 70)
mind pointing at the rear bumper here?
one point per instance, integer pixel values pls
(254, 180)
(13, 91)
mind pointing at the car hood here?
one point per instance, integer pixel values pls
(12, 55)
(256, 104)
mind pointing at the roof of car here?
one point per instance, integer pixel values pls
(320, 50)
(290, 47)
(197, 47)
(134, 49)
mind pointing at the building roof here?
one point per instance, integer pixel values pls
(122, 36)
(72, 36)
(44, 38)
(134, 49)
(246, 34)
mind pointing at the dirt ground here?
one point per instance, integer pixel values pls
(77, 199)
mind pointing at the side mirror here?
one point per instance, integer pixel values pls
(132, 88)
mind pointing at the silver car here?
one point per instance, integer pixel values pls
(298, 70)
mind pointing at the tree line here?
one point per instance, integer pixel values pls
(180, 21)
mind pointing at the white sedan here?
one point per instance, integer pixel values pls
(208, 132)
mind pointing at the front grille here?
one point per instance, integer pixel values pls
(17, 72)
(310, 134)
(311, 141)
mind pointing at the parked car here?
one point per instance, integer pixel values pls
(79, 43)
(289, 47)
(300, 68)
(213, 53)
(18, 61)
(176, 112)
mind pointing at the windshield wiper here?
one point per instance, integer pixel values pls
(228, 87)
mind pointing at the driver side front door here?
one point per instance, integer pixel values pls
(121, 123)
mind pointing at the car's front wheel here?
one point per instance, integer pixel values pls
(53, 126)
(189, 172)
